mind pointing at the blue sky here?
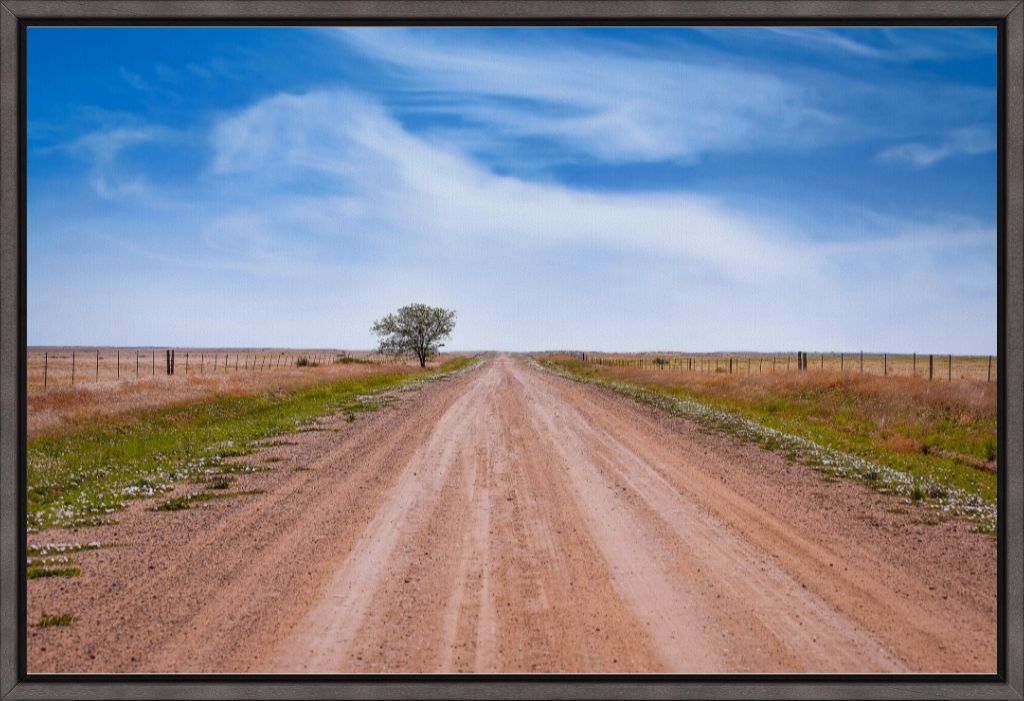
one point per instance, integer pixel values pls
(699, 189)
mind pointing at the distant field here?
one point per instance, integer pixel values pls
(941, 367)
(938, 433)
(114, 448)
(56, 367)
(199, 374)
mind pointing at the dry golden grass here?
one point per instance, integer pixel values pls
(892, 396)
(894, 415)
(52, 368)
(938, 436)
(61, 406)
(944, 367)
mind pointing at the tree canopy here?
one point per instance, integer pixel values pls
(417, 329)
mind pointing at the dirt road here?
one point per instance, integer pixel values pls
(511, 520)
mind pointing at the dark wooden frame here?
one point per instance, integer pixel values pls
(1008, 15)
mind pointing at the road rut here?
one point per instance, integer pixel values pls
(513, 521)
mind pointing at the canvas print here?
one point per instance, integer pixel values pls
(562, 349)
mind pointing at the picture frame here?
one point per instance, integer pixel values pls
(1007, 15)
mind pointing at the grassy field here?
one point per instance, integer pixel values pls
(63, 407)
(83, 470)
(943, 368)
(58, 367)
(936, 440)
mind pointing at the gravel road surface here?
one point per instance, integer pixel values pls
(509, 520)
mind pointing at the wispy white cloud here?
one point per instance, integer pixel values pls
(969, 141)
(825, 40)
(103, 147)
(134, 79)
(401, 184)
(607, 105)
(499, 247)
(300, 217)
(886, 45)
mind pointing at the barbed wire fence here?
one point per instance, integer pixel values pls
(51, 368)
(928, 366)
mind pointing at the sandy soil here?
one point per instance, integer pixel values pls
(510, 520)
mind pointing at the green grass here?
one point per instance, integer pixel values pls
(844, 421)
(851, 431)
(220, 482)
(186, 501)
(78, 479)
(52, 549)
(35, 571)
(53, 559)
(61, 619)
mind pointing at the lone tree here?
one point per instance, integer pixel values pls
(416, 329)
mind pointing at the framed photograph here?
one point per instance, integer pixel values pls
(511, 349)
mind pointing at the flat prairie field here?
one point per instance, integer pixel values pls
(111, 381)
(506, 513)
(936, 367)
(940, 434)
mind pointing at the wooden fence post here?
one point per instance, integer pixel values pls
(186, 363)
(46, 366)
(97, 365)
(72, 368)
(931, 366)
(136, 364)
(950, 369)
(862, 362)
(885, 364)
(119, 363)
(915, 365)
(152, 356)
(841, 361)
(202, 363)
